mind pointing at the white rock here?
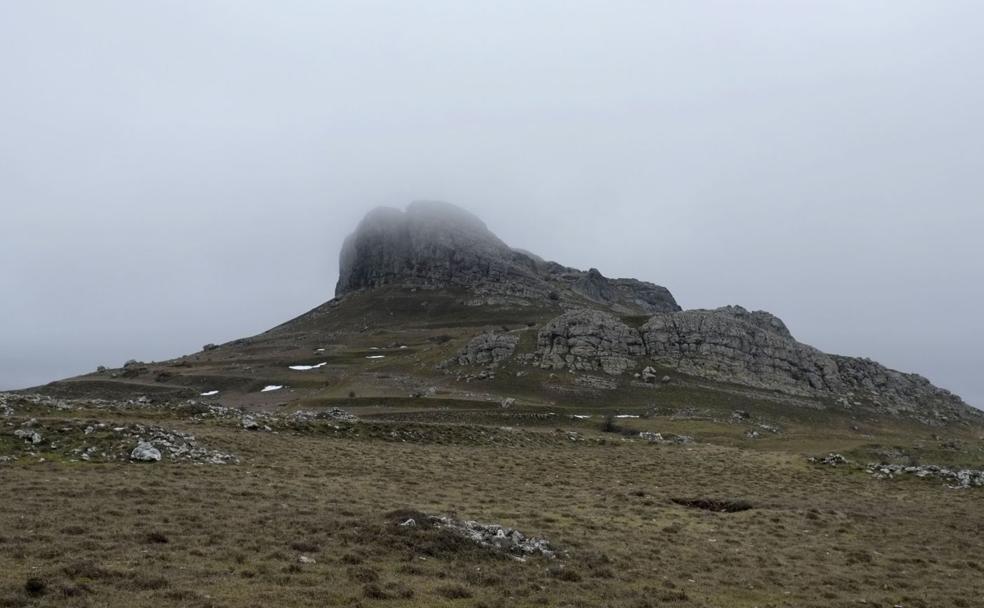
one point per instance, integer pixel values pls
(145, 452)
(28, 435)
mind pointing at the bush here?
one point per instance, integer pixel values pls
(35, 587)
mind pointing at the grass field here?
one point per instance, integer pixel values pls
(182, 534)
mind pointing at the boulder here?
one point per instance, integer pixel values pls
(145, 452)
(28, 435)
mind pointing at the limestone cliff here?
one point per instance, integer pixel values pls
(434, 245)
(731, 344)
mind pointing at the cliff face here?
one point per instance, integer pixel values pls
(731, 344)
(432, 245)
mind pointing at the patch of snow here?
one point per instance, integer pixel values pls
(402, 346)
(319, 350)
(580, 416)
(209, 393)
(626, 416)
(271, 387)
(375, 356)
(304, 368)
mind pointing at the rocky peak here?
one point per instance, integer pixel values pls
(429, 244)
(434, 244)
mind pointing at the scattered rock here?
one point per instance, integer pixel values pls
(29, 436)
(665, 438)
(249, 423)
(831, 459)
(496, 537)
(959, 478)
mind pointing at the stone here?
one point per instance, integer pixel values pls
(831, 459)
(494, 536)
(956, 478)
(487, 349)
(652, 437)
(145, 452)
(589, 340)
(32, 437)
(508, 402)
(304, 559)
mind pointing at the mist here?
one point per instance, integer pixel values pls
(175, 174)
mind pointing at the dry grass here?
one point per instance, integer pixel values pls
(119, 534)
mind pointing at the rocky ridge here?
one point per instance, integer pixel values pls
(734, 345)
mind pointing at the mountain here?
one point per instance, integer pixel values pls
(430, 303)
(437, 245)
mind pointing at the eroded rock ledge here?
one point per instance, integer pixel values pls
(731, 344)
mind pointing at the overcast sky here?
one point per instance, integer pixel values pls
(176, 173)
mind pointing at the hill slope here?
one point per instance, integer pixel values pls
(431, 304)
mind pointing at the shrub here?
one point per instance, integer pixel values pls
(35, 587)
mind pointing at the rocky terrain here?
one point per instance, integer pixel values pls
(466, 424)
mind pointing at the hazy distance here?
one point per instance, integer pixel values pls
(174, 175)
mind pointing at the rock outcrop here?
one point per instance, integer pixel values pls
(437, 245)
(487, 349)
(589, 340)
(734, 345)
(731, 344)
